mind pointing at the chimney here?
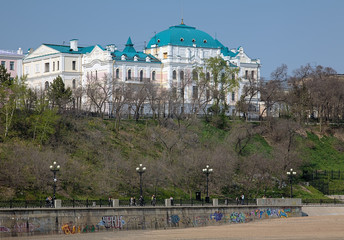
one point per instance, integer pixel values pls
(111, 47)
(20, 51)
(74, 45)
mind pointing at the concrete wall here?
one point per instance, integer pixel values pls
(27, 222)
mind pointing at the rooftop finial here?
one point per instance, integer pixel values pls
(182, 22)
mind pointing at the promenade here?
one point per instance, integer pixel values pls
(322, 223)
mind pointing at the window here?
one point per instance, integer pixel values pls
(117, 73)
(194, 92)
(207, 76)
(3, 63)
(141, 75)
(205, 41)
(194, 75)
(174, 92)
(233, 96)
(73, 83)
(181, 75)
(53, 66)
(153, 75)
(46, 67)
(181, 39)
(46, 85)
(182, 92)
(165, 55)
(246, 74)
(174, 74)
(129, 74)
(252, 74)
(58, 65)
(74, 65)
(11, 65)
(96, 74)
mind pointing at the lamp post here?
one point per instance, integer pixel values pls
(207, 171)
(54, 168)
(140, 169)
(291, 173)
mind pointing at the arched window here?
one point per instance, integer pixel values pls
(129, 74)
(174, 75)
(141, 75)
(252, 74)
(153, 75)
(194, 75)
(181, 75)
(117, 73)
(46, 85)
(207, 76)
(74, 84)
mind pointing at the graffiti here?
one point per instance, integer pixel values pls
(69, 228)
(24, 227)
(238, 217)
(282, 214)
(200, 221)
(158, 223)
(185, 220)
(4, 229)
(112, 222)
(217, 216)
(175, 219)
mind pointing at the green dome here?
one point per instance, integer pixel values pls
(183, 35)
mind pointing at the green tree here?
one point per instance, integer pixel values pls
(12, 95)
(224, 79)
(58, 94)
(5, 77)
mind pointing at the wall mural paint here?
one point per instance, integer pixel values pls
(119, 222)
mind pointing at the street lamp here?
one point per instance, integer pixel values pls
(207, 171)
(54, 168)
(140, 169)
(291, 173)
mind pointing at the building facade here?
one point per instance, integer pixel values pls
(168, 60)
(12, 61)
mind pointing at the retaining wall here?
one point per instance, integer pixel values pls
(27, 222)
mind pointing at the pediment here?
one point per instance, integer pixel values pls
(42, 51)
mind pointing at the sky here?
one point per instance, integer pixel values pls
(291, 32)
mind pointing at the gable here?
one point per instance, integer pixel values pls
(41, 51)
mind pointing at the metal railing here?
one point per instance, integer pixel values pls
(74, 203)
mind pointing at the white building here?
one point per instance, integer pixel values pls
(168, 59)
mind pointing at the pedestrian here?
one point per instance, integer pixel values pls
(242, 199)
(171, 198)
(141, 201)
(237, 200)
(134, 201)
(110, 202)
(153, 200)
(49, 201)
(131, 202)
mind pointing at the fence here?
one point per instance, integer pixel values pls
(74, 203)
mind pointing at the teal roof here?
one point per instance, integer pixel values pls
(66, 49)
(130, 52)
(183, 35)
(129, 47)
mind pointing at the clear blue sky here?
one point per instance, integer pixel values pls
(294, 32)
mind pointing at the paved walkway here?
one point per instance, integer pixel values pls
(301, 228)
